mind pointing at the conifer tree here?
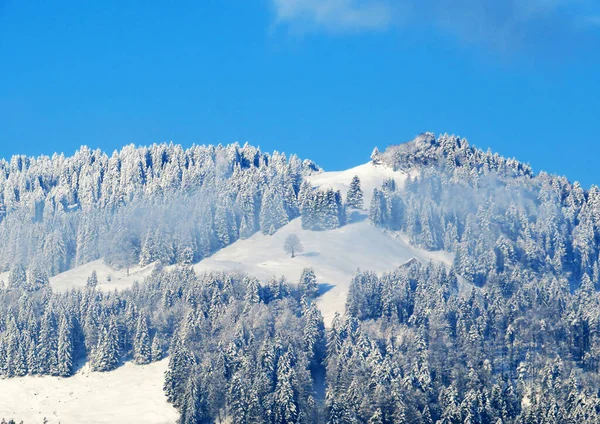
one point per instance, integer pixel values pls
(48, 345)
(65, 348)
(107, 353)
(92, 281)
(156, 350)
(308, 285)
(354, 197)
(142, 352)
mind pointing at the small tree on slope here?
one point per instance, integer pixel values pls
(292, 245)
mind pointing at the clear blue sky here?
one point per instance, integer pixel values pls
(326, 79)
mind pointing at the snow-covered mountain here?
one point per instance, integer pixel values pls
(435, 283)
(335, 255)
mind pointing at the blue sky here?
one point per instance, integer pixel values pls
(326, 79)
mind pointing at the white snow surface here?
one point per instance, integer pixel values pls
(335, 256)
(130, 394)
(77, 277)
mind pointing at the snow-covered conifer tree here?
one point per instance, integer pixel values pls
(142, 349)
(65, 348)
(354, 197)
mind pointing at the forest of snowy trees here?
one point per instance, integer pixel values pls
(141, 205)
(510, 333)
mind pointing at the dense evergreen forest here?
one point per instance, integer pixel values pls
(508, 334)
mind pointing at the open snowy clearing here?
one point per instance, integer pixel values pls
(130, 394)
(335, 256)
(108, 278)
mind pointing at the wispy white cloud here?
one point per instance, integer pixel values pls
(503, 23)
(334, 15)
(593, 21)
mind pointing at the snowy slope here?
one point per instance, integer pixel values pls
(335, 255)
(77, 277)
(130, 394)
(371, 176)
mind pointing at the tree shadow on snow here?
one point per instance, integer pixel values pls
(356, 216)
(311, 254)
(79, 364)
(324, 288)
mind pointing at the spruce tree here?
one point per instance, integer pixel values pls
(65, 348)
(48, 345)
(142, 352)
(92, 281)
(156, 350)
(354, 197)
(107, 353)
(308, 285)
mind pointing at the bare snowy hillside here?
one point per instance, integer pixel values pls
(335, 256)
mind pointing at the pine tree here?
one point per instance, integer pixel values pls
(156, 350)
(36, 278)
(17, 278)
(286, 406)
(48, 345)
(252, 290)
(354, 197)
(142, 352)
(107, 353)
(32, 359)
(304, 196)
(148, 250)
(376, 156)
(181, 362)
(308, 285)
(377, 209)
(194, 409)
(272, 212)
(92, 281)
(65, 348)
